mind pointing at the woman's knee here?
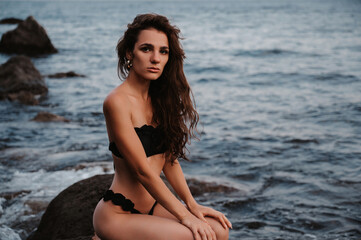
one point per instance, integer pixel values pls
(221, 232)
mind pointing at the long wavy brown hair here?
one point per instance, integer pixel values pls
(172, 99)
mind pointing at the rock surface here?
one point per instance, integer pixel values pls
(69, 215)
(10, 21)
(20, 80)
(28, 38)
(199, 188)
(64, 75)
(48, 117)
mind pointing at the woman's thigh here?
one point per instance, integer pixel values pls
(126, 226)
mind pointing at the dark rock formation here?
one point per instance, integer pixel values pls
(11, 21)
(64, 75)
(48, 117)
(199, 188)
(28, 38)
(20, 80)
(69, 215)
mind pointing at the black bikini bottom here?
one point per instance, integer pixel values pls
(126, 204)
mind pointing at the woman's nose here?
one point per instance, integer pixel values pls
(155, 58)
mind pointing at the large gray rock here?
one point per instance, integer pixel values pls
(28, 38)
(69, 215)
(20, 80)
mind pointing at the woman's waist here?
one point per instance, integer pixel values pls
(134, 192)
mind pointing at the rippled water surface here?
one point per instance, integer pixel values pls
(278, 88)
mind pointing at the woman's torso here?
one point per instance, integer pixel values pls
(125, 181)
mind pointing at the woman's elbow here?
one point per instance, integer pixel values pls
(143, 175)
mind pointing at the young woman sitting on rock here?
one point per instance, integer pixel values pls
(149, 118)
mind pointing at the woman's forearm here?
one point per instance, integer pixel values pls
(175, 177)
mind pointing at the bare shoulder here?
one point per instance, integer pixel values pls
(117, 101)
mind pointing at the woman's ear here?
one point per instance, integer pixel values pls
(129, 55)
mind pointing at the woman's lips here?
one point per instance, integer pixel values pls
(153, 69)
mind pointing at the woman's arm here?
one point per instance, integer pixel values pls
(174, 174)
(175, 177)
(117, 113)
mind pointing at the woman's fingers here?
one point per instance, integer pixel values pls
(230, 224)
(200, 229)
(221, 219)
(208, 234)
(203, 234)
(213, 234)
(196, 234)
(199, 215)
(202, 218)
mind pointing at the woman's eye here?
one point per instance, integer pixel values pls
(164, 52)
(145, 49)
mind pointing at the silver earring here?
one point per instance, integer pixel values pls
(129, 64)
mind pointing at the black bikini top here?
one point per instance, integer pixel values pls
(151, 138)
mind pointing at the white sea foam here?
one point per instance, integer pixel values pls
(8, 233)
(2, 200)
(44, 184)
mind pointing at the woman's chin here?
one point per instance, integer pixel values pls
(152, 78)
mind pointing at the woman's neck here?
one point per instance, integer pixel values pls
(139, 87)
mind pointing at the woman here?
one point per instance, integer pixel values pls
(146, 118)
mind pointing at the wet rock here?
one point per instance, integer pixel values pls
(69, 215)
(64, 75)
(28, 38)
(20, 80)
(11, 21)
(198, 187)
(48, 117)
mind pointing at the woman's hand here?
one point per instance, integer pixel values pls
(202, 211)
(201, 229)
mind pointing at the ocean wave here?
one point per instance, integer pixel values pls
(264, 52)
(336, 78)
(208, 80)
(211, 69)
(302, 141)
(247, 176)
(274, 183)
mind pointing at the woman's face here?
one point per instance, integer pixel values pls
(150, 54)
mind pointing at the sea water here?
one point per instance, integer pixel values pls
(277, 85)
